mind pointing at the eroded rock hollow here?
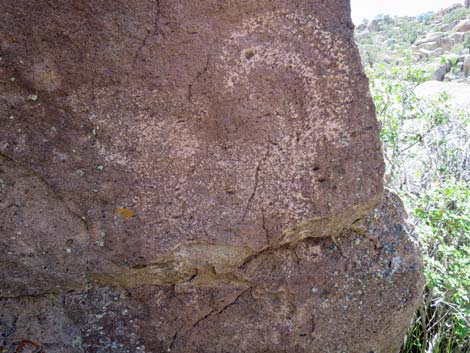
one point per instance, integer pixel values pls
(194, 176)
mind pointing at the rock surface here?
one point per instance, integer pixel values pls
(463, 26)
(374, 25)
(312, 297)
(458, 92)
(466, 65)
(172, 174)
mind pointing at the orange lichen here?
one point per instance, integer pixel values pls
(125, 212)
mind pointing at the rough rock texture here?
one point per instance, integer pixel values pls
(458, 92)
(312, 297)
(463, 26)
(194, 177)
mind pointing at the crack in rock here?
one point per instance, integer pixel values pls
(149, 34)
(198, 76)
(255, 184)
(214, 311)
(54, 193)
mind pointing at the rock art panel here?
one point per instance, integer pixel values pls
(194, 176)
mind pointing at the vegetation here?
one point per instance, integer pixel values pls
(456, 15)
(427, 148)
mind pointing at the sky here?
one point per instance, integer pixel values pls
(370, 8)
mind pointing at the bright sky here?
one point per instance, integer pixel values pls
(370, 8)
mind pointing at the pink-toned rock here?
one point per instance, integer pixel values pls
(463, 26)
(177, 171)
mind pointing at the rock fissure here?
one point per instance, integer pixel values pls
(149, 34)
(198, 76)
(189, 264)
(266, 230)
(174, 339)
(255, 182)
(31, 173)
(218, 311)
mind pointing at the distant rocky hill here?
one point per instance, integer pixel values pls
(437, 42)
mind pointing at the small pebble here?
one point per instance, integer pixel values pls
(33, 97)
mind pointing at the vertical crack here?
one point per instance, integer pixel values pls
(255, 184)
(297, 257)
(198, 76)
(173, 340)
(312, 328)
(149, 34)
(9, 331)
(156, 17)
(265, 228)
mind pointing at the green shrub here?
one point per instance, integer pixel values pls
(442, 216)
(425, 145)
(427, 150)
(466, 43)
(456, 15)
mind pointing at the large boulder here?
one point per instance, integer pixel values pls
(466, 65)
(425, 54)
(448, 10)
(458, 92)
(361, 27)
(439, 72)
(195, 176)
(432, 43)
(445, 27)
(374, 25)
(431, 37)
(457, 37)
(463, 26)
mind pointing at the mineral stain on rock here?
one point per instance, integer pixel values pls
(195, 177)
(125, 212)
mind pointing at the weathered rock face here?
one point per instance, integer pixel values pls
(463, 26)
(172, 172)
